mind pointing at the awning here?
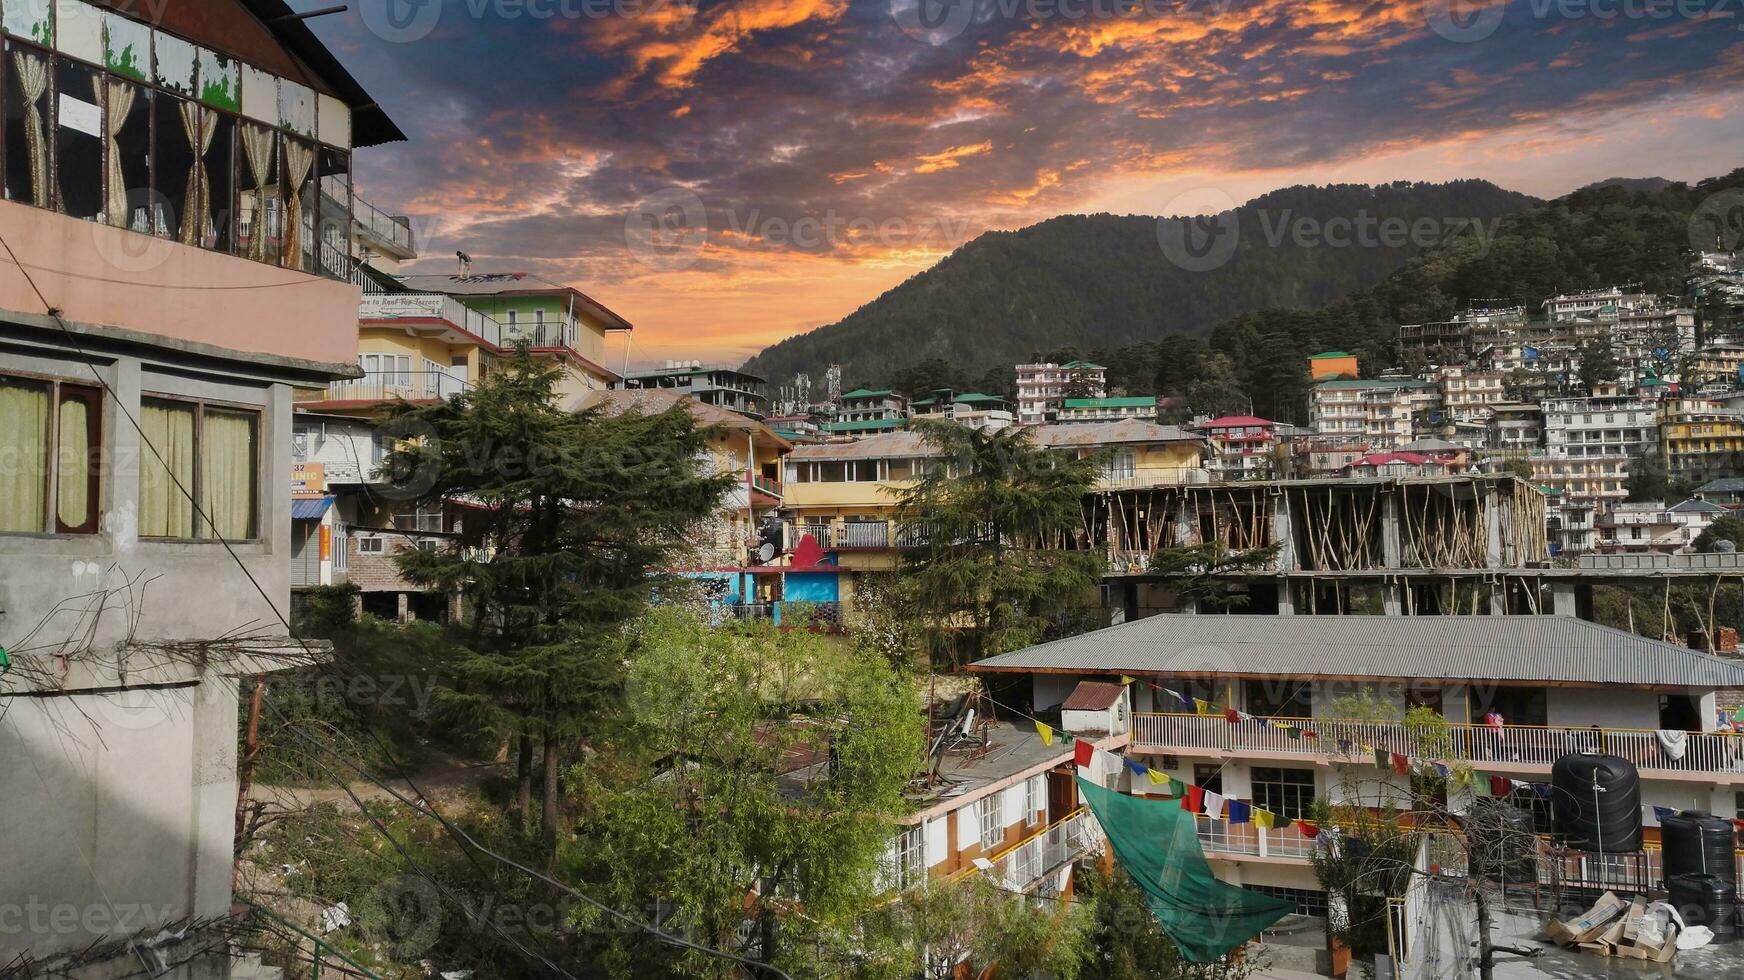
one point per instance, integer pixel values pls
(309, 508)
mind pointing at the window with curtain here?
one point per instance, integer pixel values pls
(175, 167)
(43, 490)
(297, 191)
(259, 208)
(127, 154)
(217, 203)
(28, 146)
(80, 138)
(210, 452)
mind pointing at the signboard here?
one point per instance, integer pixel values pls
(308, 480)
(393, 306)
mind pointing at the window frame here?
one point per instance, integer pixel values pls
(910, 852)
(204, 532)
(990, 821)
(93, 395)
(1278, 792)
(378, 542)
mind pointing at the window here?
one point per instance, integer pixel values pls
(215, 215)
(341, 552)
(386, 370)
(50, 455)
(910, 857)
(1280, 699)
(371, 545)
(1035, 797)
(79, 140)
(1285, 792)
(209, 451)
(127, 152)
(297, 191)
(260, 210)
(992, 821)
(421, 519)
(334, 228)
(1123, 465)
(28, 147)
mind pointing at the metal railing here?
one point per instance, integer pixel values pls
(434, 306)
(1482, 745)
(393, 229)
(859, 535)
(1043, 853)
(393, 385)
(768, 485)
(321, 950)
(1222, 837)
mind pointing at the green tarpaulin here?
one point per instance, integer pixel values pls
(1155, 841)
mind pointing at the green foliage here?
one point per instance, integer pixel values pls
(1100, 282)
(1127, 943)
(1203, 573)
(996, 570)
(759, 777)
(1724, 528)
(1598, 363)
(1520, 467)
(987, 928)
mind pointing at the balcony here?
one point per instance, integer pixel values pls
(430, 306)
(811, 615)
(766, 485)
(388, 386)
(391, 232)
(1512, 748)
(1038, 857)
(859, 535)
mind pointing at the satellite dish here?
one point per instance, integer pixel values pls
(766, 552)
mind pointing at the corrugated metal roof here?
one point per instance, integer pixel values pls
(883, 445)
(653, 401)
(1126, 401)
(1527, 649)
(1092, 434)
(309, 508)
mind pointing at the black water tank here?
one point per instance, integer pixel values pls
(1695, 842)
(1706, 900)
(1606, 818)
(1504, 840)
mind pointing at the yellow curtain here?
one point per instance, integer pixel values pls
(258, 149)
(73, 472)
(164, 511)
(32, 77)
(117, 97)
(23, 457)
(299, 161)
(227, 464)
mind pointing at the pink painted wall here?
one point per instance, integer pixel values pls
(124, 279)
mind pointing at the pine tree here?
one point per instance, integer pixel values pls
(576, 512)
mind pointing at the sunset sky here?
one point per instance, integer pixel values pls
(835, 147)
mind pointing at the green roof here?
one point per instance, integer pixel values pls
(1084, 364)
(1330, 353)
(1133, 401)
(923, 402)
(866, 393)
(867, 425)
(976, 396)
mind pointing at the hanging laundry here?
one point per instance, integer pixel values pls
(1672, 743)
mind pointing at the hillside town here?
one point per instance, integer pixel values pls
(369, 612)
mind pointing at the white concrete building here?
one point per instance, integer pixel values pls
(1042, 388)
(1614, 426)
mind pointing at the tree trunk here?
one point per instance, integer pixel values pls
(1486, 952)
(548, 805)
(523, 780)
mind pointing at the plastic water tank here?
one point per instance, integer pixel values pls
(1695, 842)
(1706, 900)
(1596, 802)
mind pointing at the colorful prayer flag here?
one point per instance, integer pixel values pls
(1501, 786)
(1213, 803)
(1294, 732)
(1239, 811)
(1125, 679)
(1202, 706)
(1156, 778)
(1263, 818)
(1660, 813)
(1401, 764)
(1083, 752)
(1383, 759)
(1309, 830)
(1231, 715)
(1193, 801)
(1045, 732)
(1138, 768)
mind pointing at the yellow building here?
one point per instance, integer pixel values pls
(1136, 453)
(1699, 438)
(844, 494)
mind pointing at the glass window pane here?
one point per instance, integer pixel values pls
(79, 141)
(23, 455)
(217, 203)
(257, 195)
(176, 122)
(227, 473)
(127, 125)
(77, 464)
(334, 229)
(164, 510)
(27, 113)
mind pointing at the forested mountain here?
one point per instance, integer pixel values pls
(1593, 237)
(1101, 281)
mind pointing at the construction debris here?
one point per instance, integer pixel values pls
(1630, 930)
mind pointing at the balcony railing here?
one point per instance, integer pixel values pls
(431, 306)
(766, 484)
(392, 229)
(859, 535)
(387, 386)
(1505, 748)
(1022, 865)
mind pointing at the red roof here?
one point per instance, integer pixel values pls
(1231, 421)
(1093, 696)
(1382, 459)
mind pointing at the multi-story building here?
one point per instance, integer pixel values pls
(1648, 527)
(1593, 481)
(1701, 438)
(1133, 453)
(1467, 332)
(179, 190)
(722, 387)
(1332, 365)
(1468, 395)
(1611, 426)
(1403, 462)
(1042, 388)
(1243, 447)
(1595, 302)
(1380, 412)
(1107, 409)
(868, 410)
(973, 409)
(1558, 683)
(555, 322)
(1716, 361)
